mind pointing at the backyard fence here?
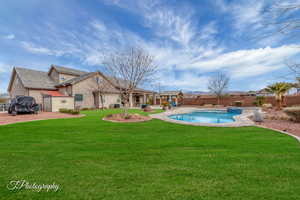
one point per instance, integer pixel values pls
(3, 107)
(246, 101)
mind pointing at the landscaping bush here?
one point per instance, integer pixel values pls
(238, 103)
(165, 105)
(260, 100)
(69, 111)
(293, 112)
(144, 106)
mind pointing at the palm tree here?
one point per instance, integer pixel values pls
(279, 89)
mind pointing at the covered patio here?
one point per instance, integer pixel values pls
(140, 97)
(168, 96)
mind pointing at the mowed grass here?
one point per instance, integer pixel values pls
(94, 159)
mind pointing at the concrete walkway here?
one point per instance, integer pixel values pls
(5, 118)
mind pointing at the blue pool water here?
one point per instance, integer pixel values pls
(206, 116)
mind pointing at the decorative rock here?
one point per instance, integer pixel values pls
(258, 116)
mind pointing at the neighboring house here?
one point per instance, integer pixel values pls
(63, 87)
(264, 93)
(4, 98)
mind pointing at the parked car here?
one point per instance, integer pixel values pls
(23, 104)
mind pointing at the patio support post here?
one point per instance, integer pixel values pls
(130, 100)
(145, 98)
(154, 99)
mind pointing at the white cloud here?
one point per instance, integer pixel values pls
(247, 63)
(39, 50)
(178, 43)
(186, 81)
(248, 15)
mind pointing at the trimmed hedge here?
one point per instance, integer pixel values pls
(293, 112)
(69, 111)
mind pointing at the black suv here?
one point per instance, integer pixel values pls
(23, 104)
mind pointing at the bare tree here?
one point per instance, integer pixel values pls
(294, 68)
(128, 70)
(218, 84)
(284, 18)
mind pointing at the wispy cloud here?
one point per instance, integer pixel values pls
(177, 38)
(248, 63)
(9, 36)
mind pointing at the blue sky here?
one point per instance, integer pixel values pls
(190, 39)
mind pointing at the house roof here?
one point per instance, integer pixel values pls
(76, 79)
(66, 70)
(169, 92)
(35, 79)
(119, 82)
(53, 93)
(112, 80)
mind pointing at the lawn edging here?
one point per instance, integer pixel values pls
(284, 132)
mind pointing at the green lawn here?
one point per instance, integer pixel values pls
(94, 159)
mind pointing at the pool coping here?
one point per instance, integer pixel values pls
(240, 120)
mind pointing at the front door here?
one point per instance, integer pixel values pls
(96, 99)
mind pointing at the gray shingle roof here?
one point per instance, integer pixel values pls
(35, 79)
(76, 79)
(82, 77)
(41, 80)
(67, 70)
(124, 83)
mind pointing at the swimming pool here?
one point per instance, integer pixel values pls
(216, 116)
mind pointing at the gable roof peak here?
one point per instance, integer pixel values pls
(67, 70)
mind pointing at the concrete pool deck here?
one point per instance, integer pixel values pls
(240, 120)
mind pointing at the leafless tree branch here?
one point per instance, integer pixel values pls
(130, 69)
(218, 84)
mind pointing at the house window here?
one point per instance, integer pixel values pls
(78, 97)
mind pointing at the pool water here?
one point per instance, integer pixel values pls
(206, 117)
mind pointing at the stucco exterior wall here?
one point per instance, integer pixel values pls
(62, 102)
(85, 88)
(66, 90)
(111, 99)
(17, 88)
(37, 94)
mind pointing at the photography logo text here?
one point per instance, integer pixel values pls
(23, 184)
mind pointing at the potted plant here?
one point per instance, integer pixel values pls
(165, 105)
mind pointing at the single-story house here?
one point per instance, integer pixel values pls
(4, 98)
(169, 96)
(63, 87)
